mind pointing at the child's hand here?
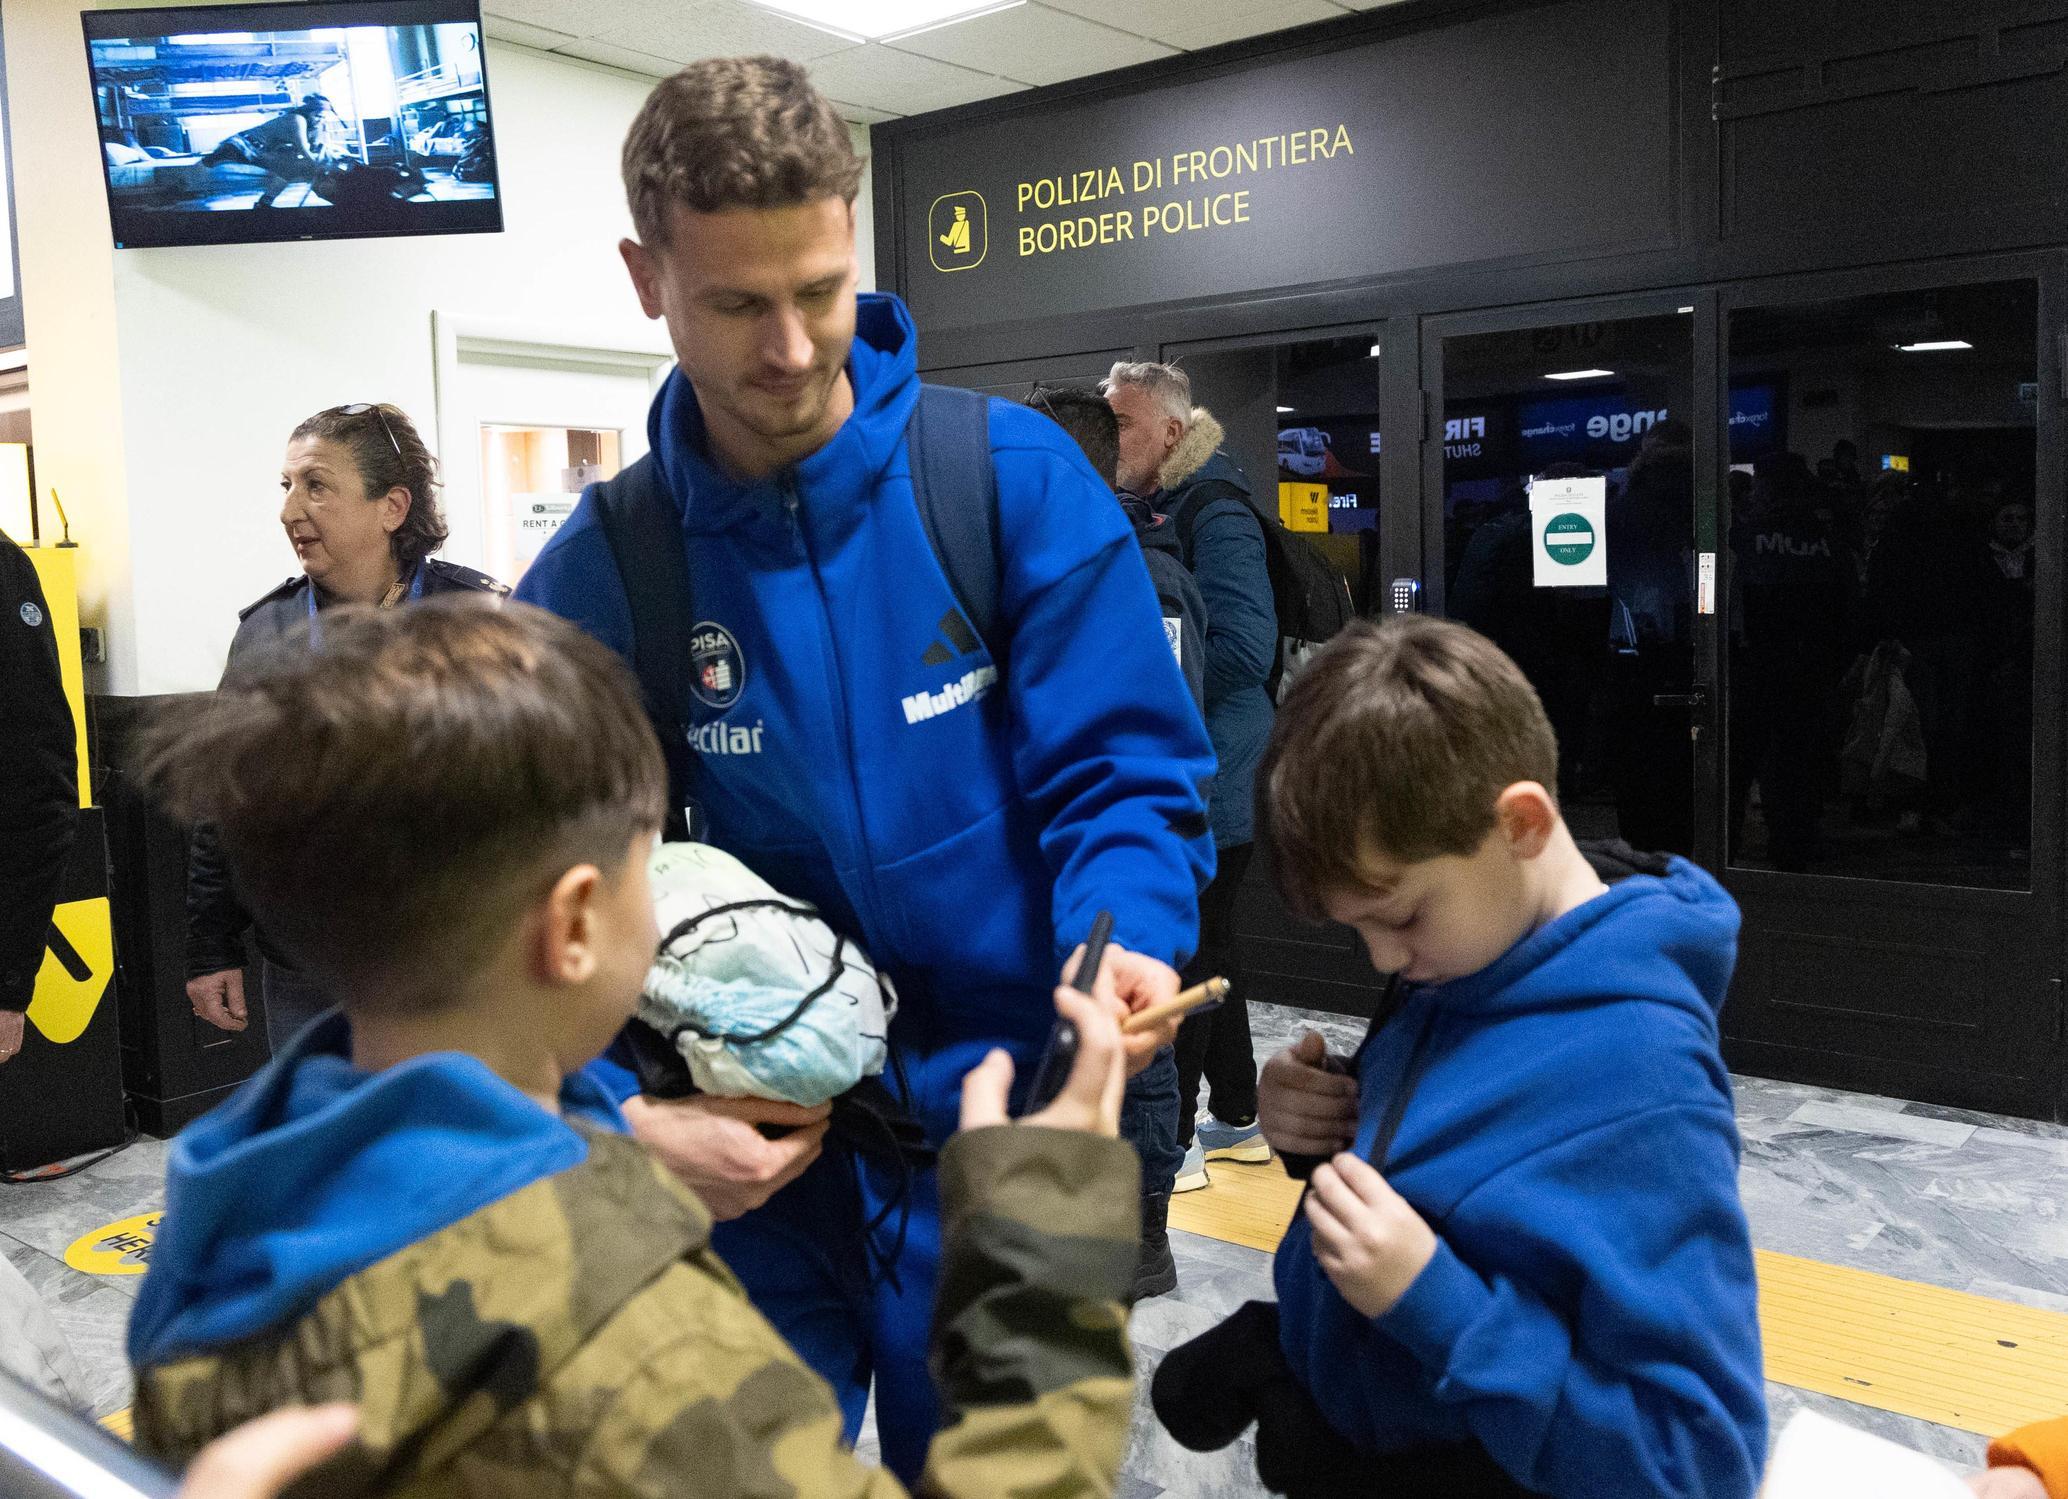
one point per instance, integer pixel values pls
(1302, 1107)
(2008, 1483)
(1090, 1100)
(1367, 1240)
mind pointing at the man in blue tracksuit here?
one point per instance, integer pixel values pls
(857, 744)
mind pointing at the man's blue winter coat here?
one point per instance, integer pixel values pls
(1199, 484)
(965, 818)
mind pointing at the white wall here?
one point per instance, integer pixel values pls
(165, 381)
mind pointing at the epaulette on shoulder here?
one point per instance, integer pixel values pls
(263, 599)
(465, 577)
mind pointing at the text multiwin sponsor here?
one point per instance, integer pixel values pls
(960, 640)
(974, 684)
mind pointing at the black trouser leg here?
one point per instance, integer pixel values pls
(1216, 1046)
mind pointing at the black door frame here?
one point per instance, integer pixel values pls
(1702, 307)
(2037, 912)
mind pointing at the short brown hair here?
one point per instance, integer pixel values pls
(735, 132)
(1397, 739)
(388, 452)
(392, 796)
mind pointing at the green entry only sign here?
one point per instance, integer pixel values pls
(1568, 520)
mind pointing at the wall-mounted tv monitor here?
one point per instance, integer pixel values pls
(316, 120)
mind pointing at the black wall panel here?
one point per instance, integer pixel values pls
(1541, 131)
(1867, 123)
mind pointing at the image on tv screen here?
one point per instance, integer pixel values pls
(304, 121)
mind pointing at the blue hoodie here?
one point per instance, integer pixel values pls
(315, 1170)
(964, 818)
(1590, 1316)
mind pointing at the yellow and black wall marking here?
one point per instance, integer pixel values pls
(62, 1096)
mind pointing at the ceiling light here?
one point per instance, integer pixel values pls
(882, 20)
(1283, 409)
(1580, 375)
(1374, 352)
(1936, 346)
(1683, 309)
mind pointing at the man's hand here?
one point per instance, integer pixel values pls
(1133, 981)
(1302, 1106)
(2008, 1483)
(713, 1146)
(1367, 1240)
(1090, 1100)
(10, 1035)
(218, 998)
(260, 1458)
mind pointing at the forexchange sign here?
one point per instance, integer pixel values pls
(1370, 159)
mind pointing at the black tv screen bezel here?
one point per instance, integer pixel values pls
(161, 229)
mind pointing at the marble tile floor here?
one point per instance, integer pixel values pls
(1973, 1202)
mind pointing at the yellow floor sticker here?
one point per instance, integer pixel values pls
(122, 1423)
(120, 1248)
(1956, 1359)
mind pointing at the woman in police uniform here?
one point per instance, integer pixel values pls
(360, 508)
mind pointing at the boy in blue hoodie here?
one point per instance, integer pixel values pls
(1523, 1264)
(425, 1207)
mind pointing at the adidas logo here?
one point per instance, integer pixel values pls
(957, 629)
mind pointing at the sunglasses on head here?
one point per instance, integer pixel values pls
(360, 408)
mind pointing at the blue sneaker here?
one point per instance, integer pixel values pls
(1192, 1174)
(1243, 1143)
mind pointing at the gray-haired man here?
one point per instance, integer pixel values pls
(1170, 456)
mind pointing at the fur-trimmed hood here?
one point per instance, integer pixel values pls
(1194, 451)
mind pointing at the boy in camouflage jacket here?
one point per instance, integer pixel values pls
(424, 1207)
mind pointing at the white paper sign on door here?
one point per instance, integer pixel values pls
(1569, 532)
(535, 517)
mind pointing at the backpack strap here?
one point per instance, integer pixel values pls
(1201, 495)
(645, 536)
(955, 487)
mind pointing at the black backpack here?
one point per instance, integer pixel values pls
(1309, 596)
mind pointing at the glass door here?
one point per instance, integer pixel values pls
(1893, 659)
(1568, 516)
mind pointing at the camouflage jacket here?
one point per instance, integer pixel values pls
(579, 1337)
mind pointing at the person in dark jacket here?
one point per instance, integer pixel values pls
(1170, 455)
(1094, 428)
(1150, 1120)
(360, 507)
(39, 807)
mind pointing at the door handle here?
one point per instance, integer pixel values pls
(1695, 699)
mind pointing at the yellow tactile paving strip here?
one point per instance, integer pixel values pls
(1956, 1359)
(122, 1423)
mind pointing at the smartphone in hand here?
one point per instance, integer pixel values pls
(1060, 1055)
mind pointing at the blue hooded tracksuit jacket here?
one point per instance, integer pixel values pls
(1590, 1316)
(965, 818)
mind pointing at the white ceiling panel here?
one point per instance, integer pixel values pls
(504, 29)
(1034, 45)
(568, 17)
(884, 78)
(720, 28)
(1166, 20)
(1282, 16)
(861, 114)
(618, 57)
(1038, 43)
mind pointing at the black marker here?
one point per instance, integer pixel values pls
(1060, 1055)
